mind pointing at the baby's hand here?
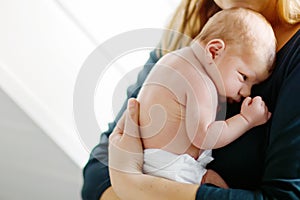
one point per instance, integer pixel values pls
(255, 111)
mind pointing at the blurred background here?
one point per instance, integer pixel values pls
(43, 44)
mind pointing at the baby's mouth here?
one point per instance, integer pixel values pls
(232, 100)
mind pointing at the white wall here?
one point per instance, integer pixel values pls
(43, 45)
(32, 166)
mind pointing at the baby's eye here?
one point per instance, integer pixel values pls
(244, 77)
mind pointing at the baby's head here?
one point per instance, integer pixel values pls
(242, 44)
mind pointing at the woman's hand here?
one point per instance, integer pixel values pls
(125, 149)
(212, 177)
(125, 145)
(126, 162)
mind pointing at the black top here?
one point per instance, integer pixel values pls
(262, 164)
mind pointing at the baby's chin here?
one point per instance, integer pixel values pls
(222, 99)
(231, 100)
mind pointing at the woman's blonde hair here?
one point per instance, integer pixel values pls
(191, 15)
(186, 23)
(289, 11)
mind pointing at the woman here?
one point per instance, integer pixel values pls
(263, 164)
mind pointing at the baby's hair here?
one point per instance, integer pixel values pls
(242, 28)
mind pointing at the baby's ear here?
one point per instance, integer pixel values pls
(215, 48)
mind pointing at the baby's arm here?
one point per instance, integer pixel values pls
(254, 112)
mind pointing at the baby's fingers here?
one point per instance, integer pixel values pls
(258, 101)
(269, 115)
(247, 101)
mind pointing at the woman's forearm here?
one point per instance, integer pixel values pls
(126, 163)
(146, 187)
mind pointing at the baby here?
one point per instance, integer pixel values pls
(180, 97)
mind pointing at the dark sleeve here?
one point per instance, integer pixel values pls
(95, 173)
(281, 176)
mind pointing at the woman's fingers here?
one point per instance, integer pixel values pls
(125, 145)
(212, 177)
(132, 119)
(119, 128)
(131, 140)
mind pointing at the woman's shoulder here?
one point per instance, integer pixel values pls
(292, 47)
(288, 57)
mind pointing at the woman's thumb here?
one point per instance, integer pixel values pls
(132, 118)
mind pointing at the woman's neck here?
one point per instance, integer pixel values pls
(284, 33)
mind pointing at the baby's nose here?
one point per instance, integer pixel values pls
(245, 91)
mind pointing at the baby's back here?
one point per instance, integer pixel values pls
(163, 102)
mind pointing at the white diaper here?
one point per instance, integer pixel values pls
(180, 168)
